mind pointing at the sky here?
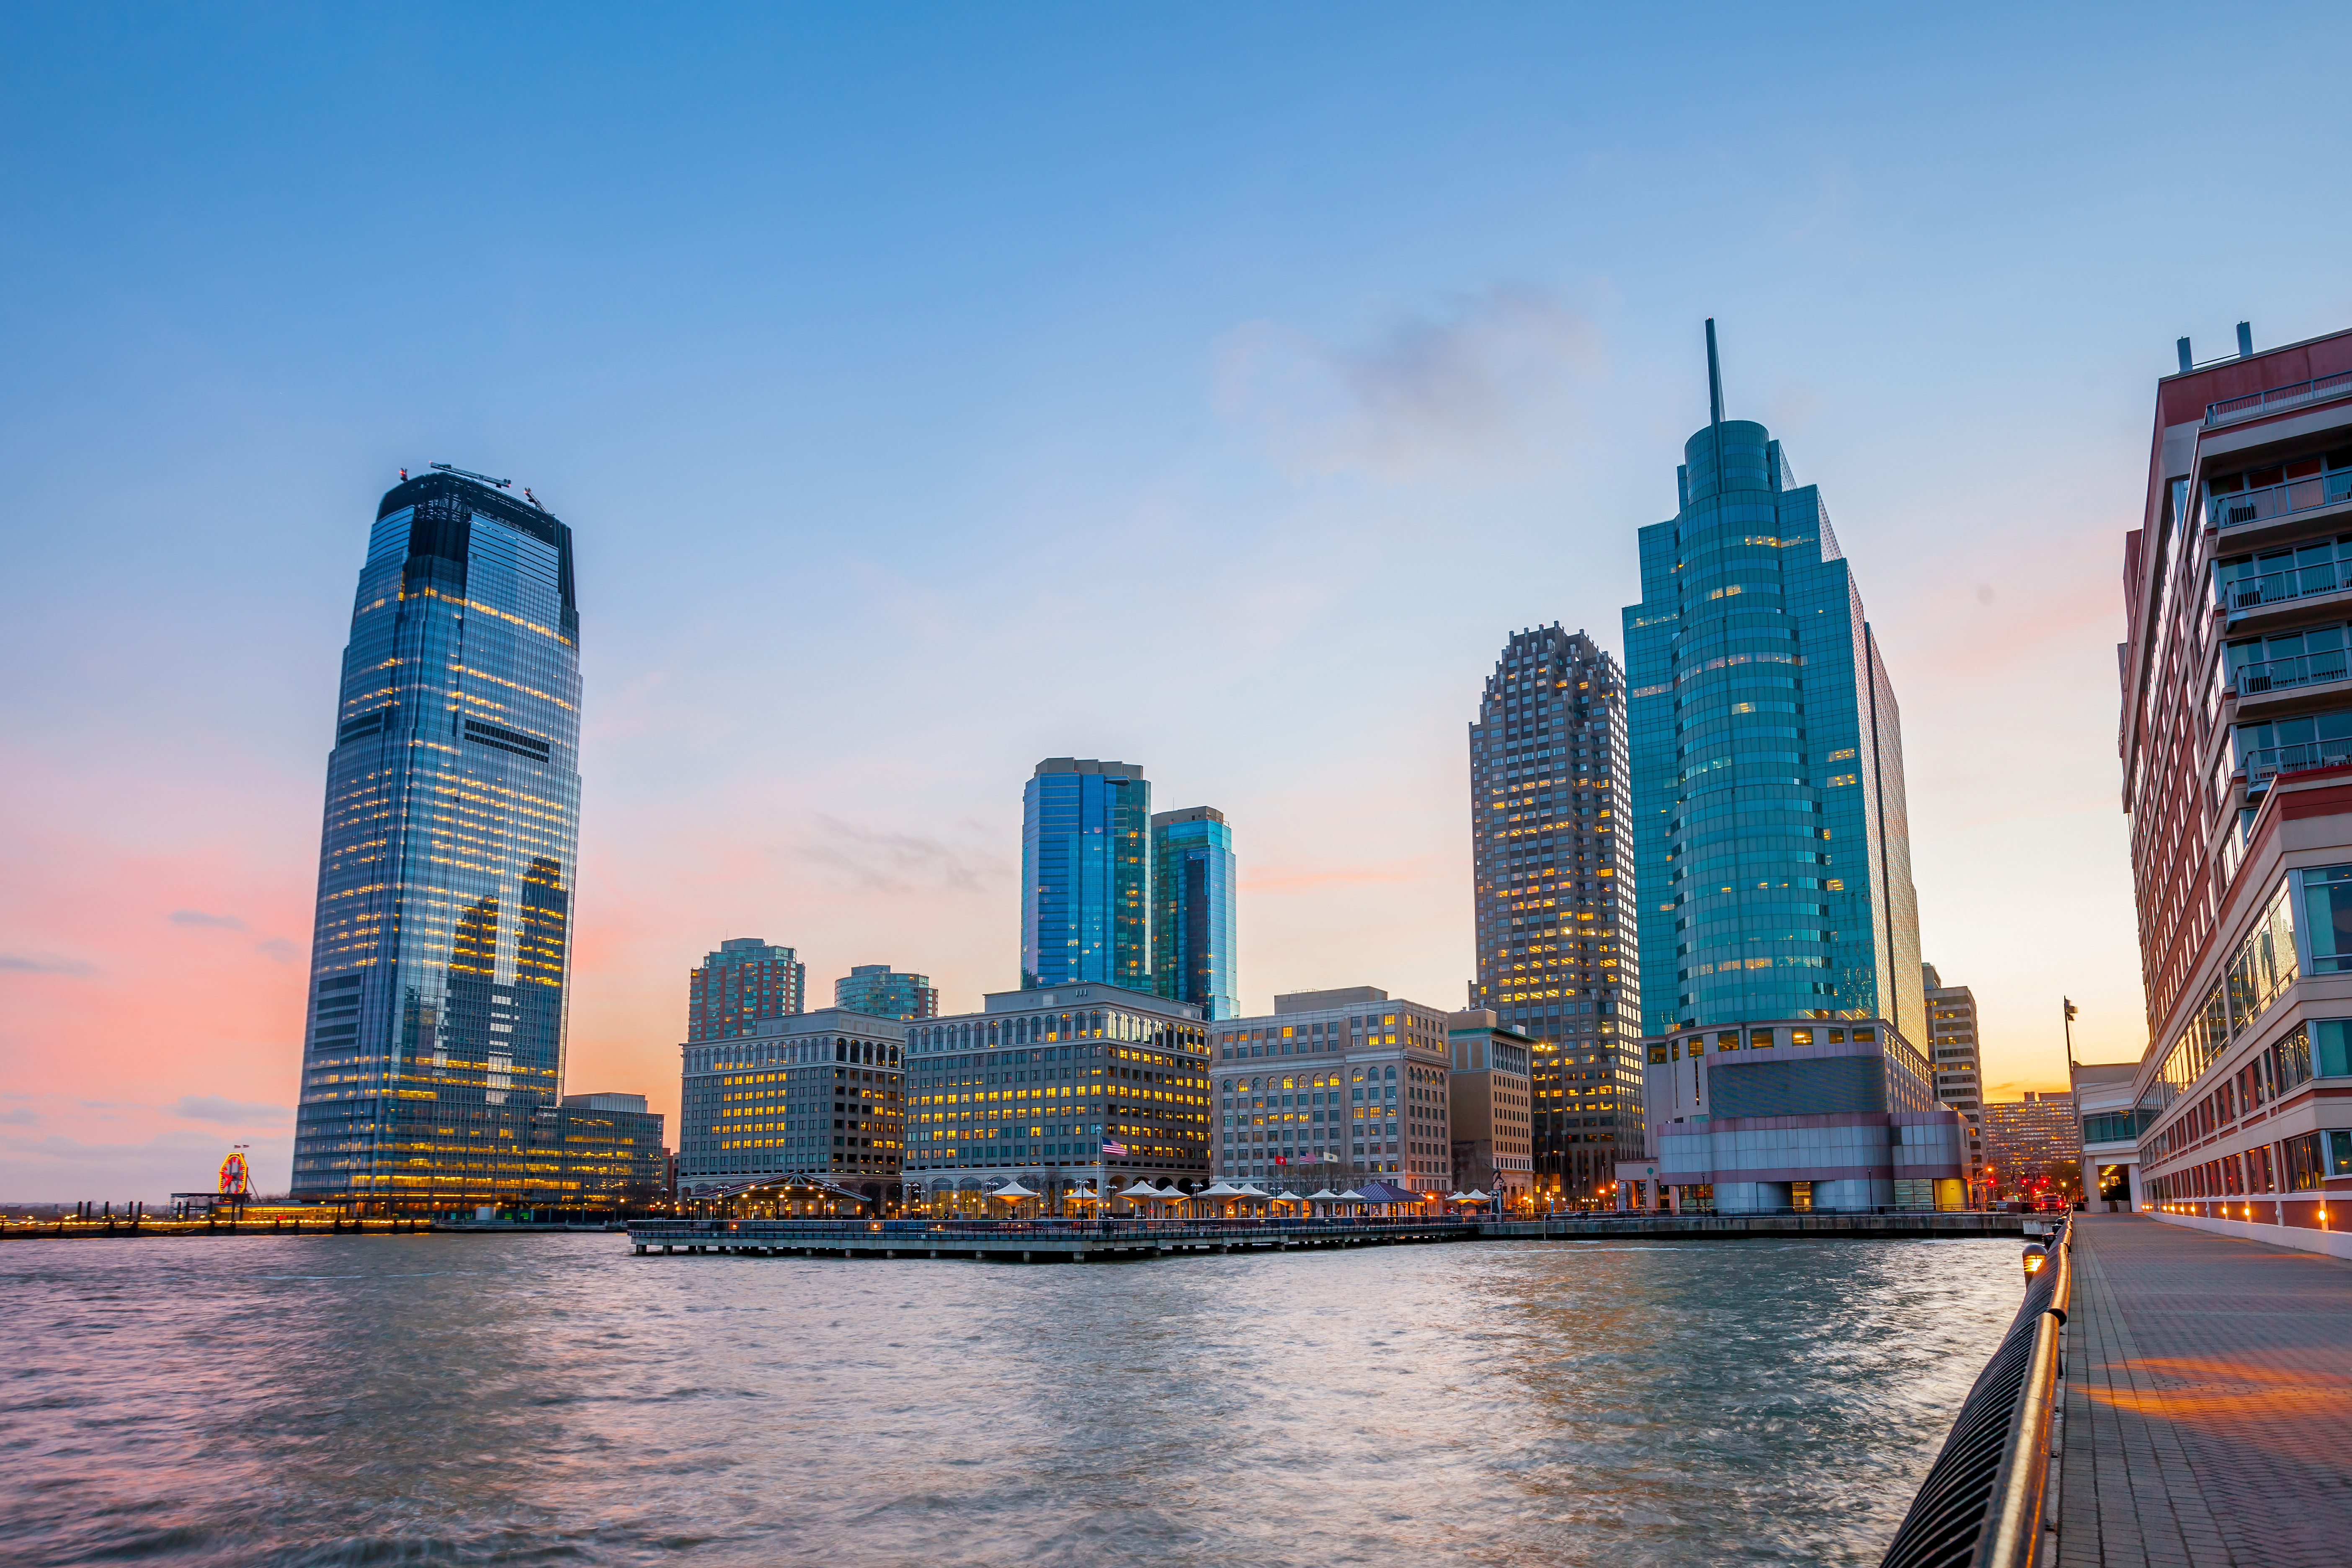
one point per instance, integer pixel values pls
(934, 389)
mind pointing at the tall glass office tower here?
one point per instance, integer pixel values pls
(1086, 875)
(1192, 910)
(1771, 848)
(443, 943)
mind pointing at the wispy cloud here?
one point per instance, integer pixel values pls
(20, 1116)
(41, 963)
(278, 948)
(881, 861)
(1425, 393)
(228, 1112)
(199, 918)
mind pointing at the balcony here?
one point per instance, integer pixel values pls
(2263, 765)
(2282, 674)
(2317, 390)
(2237, 508)
(2277, 587)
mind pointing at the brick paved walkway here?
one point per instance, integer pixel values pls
(2208, 1401)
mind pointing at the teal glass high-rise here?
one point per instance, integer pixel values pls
(1771, 846)
(1193, 939)
(1086, 875)
(442, 950)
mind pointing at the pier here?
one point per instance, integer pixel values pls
(1086, 1241)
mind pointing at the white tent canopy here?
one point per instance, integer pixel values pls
(1221, 1190)
(1352, 1193)
(1013, 1189)
(1142, 1189)
(1474, 1197)
(1326, 1194)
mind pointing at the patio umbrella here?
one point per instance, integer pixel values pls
(1013, 1189)
(1142, 1189)
(1221, 1190)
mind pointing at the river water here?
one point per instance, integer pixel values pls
(550, 1398)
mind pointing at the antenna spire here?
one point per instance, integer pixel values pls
(1713, 378)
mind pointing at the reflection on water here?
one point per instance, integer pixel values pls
(552, 1399)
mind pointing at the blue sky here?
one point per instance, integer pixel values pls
(936, 389)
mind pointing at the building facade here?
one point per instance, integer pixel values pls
(1952, 1050)
(1796, 1114)
(612, 1151)
(1771, 840)
(1334, 1087)
(2106, 1124)
(2032, 1147)
(745, 983)
(1553, 867)
(1194, 911)
(442, 948)
(1079, 1089)
(815, 1094)
(1086, 875)
(878, 989)
(1490, 1107)
(2236, 750)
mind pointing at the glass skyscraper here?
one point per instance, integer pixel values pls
(885, 993)
(1771, 848)
(1086, 875)
(1192, 910)
(434, 1057)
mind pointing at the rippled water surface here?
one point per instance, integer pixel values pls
(552, 1399)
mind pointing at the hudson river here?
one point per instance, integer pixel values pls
(551, 1399)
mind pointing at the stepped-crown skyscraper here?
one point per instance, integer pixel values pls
(1772, 844)
(443, 943)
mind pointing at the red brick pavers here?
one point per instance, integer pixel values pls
(2208, 1409)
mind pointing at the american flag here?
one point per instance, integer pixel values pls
(1117, 1151)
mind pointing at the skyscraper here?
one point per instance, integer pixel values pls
(743, 983)
(442, 948)
(1086, 875)
(881, 991)
(1773, 850)
(1778, 929)
(1555, 892)
(1193, 939)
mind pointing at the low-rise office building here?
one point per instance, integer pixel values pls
(1057, 1088)
(2107, 1123)
(813, 1093)
(1334, 1087)
(1490, 1105)
(612, 1153)
(1799, 1113)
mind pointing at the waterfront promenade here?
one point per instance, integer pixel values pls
(2207, 1405)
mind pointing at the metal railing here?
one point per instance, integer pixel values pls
(2236, 508)
(2266, 762)
(1981, 1504)
(2287, 396)
(2277, 587)
(2279, 674)
(914, 1232)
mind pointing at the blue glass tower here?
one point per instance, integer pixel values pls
(1086, 875)
(1192, 910)
(1771, 848)
(441, 951)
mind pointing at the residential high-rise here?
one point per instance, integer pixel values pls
(1555, 889)
(442, 950)
(1086, 875)
(2236, 748)
(2034, 1147)
(1771, 850)
(742, 984)
(1193, 939)
(1952, 1041)
(878, 989)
